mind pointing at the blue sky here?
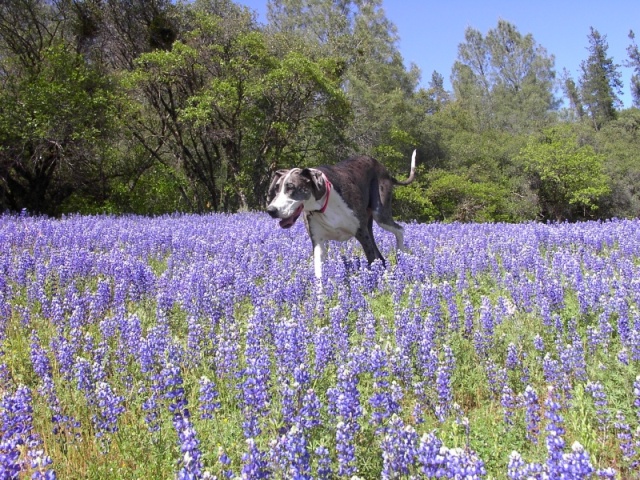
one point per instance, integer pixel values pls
(431, 31)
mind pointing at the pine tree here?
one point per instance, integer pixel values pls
(505, 79)
(634, 62)
(601, 82)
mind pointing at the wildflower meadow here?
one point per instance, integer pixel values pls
(202, 347)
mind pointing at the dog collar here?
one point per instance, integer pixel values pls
(328, 185)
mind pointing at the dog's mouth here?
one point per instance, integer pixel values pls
(288, 222)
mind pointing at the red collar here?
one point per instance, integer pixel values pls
(328, 186)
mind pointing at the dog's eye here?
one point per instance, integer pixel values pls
(288, 186)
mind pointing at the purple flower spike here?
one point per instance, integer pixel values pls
(109, 409)
(208, 397)
(399, 448)
(532, 414)
(254, 463)
(16, 435)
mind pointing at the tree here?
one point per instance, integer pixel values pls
(456, 197)
(436, 94)
(619, 142)
(57, 112)
(116, 32)
(568, 176)
(505, 79)
(634, 62)
(572, 93)
(600, 82)
(228, 111)
(379, 89)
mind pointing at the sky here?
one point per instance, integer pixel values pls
(430, 31)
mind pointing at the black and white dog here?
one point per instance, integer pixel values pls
(338, 202)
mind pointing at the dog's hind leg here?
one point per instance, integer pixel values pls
(381, 211)
(373, 240)
(391, 226)
(365, 237)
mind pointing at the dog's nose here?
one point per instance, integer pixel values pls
(273, 211)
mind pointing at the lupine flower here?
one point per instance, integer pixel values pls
(309, 416)
(497, 378)
(468, 318)
(538, 343)
(170, 381)
(15, 427)
(399, 447)
(512, 361)
(86, 285)
(324, 471)
(449, 297)
(109, 408)
(532, 414)
(42, 367)
(226, 356)
(627, 445)
(438, 461)
(288, 396)
(254, 463)
(344, 402)
(254, 388)
(551, 369)
(634, 344)
(623, 356)
(16, 435)
(324, 349)
(463, 463)
(289, 457)
(518, 469)
(600, 401)
(443, 385)
(380, 401)
(226, 461)
(509, 404)
(578, 462)
(432, 463)
(208, 397)
(572, 360)
(152, 415)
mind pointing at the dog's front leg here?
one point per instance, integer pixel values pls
(319, 256)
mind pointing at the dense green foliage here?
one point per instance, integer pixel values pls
(156, 106)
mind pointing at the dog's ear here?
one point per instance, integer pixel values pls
(317, 181)
(273, 187)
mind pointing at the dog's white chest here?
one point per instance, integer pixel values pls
(338, 222)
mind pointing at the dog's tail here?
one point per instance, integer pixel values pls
(412, 174)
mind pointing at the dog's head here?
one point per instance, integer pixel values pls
(293, 191)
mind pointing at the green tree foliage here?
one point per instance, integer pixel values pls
(381, 92)
(634, 63)
(223, 107)
(57, 112)
(457, 197)
(506, 80)
(436, 95)
(619, 142)
(600, 82)
(569, 176)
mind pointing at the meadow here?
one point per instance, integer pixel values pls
(201, 347)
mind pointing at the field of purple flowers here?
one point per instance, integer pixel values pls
(201, 347)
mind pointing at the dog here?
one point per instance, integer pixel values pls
(338, 202)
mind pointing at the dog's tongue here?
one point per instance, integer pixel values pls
(288, 222)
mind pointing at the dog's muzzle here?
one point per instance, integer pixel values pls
(285, 222)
